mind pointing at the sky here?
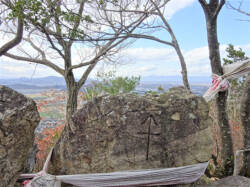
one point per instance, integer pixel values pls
(149, 58)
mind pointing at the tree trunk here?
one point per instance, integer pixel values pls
(214, 56)
(245, 119)
(71, 101)
(71, 106)
(183, 66)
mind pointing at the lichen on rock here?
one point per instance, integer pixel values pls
(18, 120)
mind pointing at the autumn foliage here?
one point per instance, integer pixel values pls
(51, 106)
(44, 144)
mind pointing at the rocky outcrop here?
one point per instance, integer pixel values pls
(232, 181)
(18, 120)
(128, 132)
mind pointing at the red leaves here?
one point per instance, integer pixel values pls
(49, 138)
(39, 108)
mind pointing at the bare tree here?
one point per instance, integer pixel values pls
(238, 9)
(211, 11)
(158, 11)
(16, 40)
(62, 25)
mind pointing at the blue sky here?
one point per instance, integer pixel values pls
(189, 26)
(147, 58)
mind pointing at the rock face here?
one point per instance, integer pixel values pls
(18, 119)
(245, 119)
(129, 132)
(232, 181)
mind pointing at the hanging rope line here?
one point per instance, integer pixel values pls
(147, 177)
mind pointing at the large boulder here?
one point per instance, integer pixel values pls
(127, 132)
(18, 120)
(232, 181)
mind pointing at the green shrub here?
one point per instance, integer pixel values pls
(108, 83)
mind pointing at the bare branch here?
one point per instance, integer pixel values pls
(80, 65)
(238, 9)
(15, 41)
(147, 11)
(163, 20)
(110, 45)
(248, 20)
(38, 61)
(222, 2)
(86, 74)
(34, 46)
(77, 23)
(93, 62)
(133, 11)
(52, 44)
(151, 38)
(110, 22)
(203, 2)
(204, 5)
(212, 8)
(57, 22)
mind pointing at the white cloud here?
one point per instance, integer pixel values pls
(148, 54)
(16, 69)
(176, 5)
(13, 69)
(147, 68)
(166, 62)
(137, 61)
(196, 55)
(201, 69)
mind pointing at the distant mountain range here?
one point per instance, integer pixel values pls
(59, 81)
(27, 85)
(203, 80)
(39, 82)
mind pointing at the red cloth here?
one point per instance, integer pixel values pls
(217, 80)
(27, 183)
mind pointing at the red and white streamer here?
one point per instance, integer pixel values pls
(221, 83)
